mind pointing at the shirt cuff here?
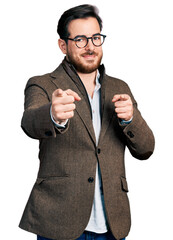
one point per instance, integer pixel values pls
(124, 122)
(61, 125)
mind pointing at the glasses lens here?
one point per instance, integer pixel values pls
(81, 41)
(98, 40)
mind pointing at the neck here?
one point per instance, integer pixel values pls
(88, 78)
(89, 81)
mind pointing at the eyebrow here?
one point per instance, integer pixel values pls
(86, 36)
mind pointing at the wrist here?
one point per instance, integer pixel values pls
(59, 123)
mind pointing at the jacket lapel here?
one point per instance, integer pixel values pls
(108, 110)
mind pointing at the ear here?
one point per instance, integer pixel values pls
(62, 45)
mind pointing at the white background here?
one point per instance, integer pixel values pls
(139, 50)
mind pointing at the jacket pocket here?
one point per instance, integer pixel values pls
(124, 184)
(40, 180)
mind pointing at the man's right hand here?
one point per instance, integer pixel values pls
(63, 105)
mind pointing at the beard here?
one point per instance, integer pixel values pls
(88, 67)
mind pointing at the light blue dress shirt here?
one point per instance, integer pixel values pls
(97, 222)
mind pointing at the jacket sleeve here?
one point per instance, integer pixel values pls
(139, 137)
(36, 121)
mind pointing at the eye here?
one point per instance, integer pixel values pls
(79, 39)
(97, 37)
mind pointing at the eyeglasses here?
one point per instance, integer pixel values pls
(81, 41)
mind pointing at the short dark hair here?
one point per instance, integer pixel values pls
(81, 11)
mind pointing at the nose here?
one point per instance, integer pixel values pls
(90, 46)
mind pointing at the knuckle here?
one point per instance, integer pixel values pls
(58, 109)
(61, 116)
(55, 101)
(130, 102)
(71, 99)
(53, 107)
(53, 104)
(73, 106)
(116, 104)
(71, 114)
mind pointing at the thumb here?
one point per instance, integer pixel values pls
(59, 93)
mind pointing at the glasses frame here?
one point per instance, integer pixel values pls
(87, 38)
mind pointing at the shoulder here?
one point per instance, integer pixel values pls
(116, 82)
(43, 81)
(118, 86)
(38, 80)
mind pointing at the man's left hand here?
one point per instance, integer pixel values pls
(123, 106)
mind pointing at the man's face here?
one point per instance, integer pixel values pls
(87, 59)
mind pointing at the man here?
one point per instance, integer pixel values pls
(83, 119)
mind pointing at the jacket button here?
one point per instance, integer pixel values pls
(48, 133)
(130, 134)
(90, 179)
(98, 150)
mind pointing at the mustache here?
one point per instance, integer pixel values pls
(89, 53)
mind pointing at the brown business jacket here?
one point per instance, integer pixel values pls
(60, 203)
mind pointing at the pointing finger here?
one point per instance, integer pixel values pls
(74, 94)
(60, 93)
(120, 97)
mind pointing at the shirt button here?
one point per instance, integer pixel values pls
(90, 179)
